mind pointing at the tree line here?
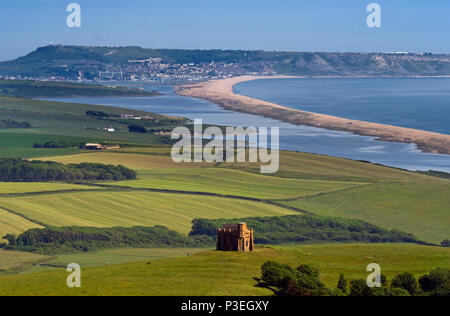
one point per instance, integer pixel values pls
(20, 170)
(305, 281)
(306, 229)
(14, 124)
(58, 240)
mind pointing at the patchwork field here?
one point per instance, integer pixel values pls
(17, 143)
(234, 182)
(13, 224)
(219, 273)
(113, 257)
(134, 161)
(14, 259)
(319, 167)
(110, 209)
(387, 197)
(32, 187)
(421, 209)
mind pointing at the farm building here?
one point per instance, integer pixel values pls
(235, 237)
(93, 146)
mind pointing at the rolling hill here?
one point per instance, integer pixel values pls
(68, 61)
(214, 273)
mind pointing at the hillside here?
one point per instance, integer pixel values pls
(218, 273)
(128, 62)
(67, 125)
(41, 89)
(172, 195)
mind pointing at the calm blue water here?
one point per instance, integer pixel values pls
(292, 137)
(421, 103)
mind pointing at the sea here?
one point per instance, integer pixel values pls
(422, 103)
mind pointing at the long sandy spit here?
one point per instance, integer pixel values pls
(221, 92)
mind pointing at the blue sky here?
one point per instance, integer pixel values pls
(295, 25)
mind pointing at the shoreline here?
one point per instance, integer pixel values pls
(221, 93)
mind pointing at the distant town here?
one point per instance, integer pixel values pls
(152, 70)
(172, 66)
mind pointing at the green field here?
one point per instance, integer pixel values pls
(13, 224)
(52, 121)
(319, 167)
(110, 209)
(14, 259)
(134, 161)
(234, 182)
(25, 262)
(422, 209)
(387, 197)
(229, 274)
(32, 187)
(35, 89)
(113, 257)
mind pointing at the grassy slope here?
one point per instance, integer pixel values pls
(53, 120)
(388, 197)
(413, 207)
(219, 273)
(135, 161)
(109, 209)
(14, 259)
(30, 187)
(311, 166)
(13, 224)
(19, 143)
(113, 257)
(34, 89)
(233, 182)
(395, 198)
(24, 262)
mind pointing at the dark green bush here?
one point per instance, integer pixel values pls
(56, 240)
(19, 170)
(306, 228)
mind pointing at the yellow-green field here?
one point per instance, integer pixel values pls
(130, 160)
(14, 259)
(220, 273)
(112, 257)
(387, 197)
(110, 209)
(234, 182)
(311, 166)
(423, 209)
(27, 187)
(13, 224)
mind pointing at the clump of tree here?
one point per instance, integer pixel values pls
(445, 243)
(306, 229)
(20, 170)
(57, 240)
(99, 114)
(302, 281)
(305, 281)
(13, 124)
(134, 128)
(437, 283)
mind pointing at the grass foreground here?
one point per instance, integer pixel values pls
(228, 273)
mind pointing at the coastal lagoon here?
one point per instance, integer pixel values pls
(292, 137)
